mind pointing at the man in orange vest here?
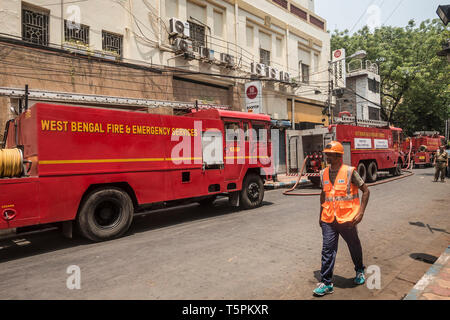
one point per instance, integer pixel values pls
(340, 212)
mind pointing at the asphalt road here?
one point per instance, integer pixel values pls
(272, 252)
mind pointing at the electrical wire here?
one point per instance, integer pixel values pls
(393, 11)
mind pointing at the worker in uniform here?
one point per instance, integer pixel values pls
(340, 213)
(441, 163)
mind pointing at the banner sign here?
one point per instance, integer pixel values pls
(338, 69)
(363, 143)
(253, 96)
(381, 144)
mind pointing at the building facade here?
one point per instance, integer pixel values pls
(179, 50)
(362, 97)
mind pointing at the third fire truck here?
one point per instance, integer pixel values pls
(422, 147)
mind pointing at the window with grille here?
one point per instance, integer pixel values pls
(35, 27)
(75, 32)
(197, 35)
(112, 42)
(264, 57)
(374, 85)
(305, 72)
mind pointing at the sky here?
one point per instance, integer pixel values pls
(354, 14)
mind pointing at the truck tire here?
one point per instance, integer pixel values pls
(362, 171)
(372, 172)
(105, 214)
(398, 169)
(252, 193)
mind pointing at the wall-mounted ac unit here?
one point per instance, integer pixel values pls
(179, 28)
(258, 69)
(206, 53)
(285, 76)
(182, 45)
(271, 73)
(227, 59)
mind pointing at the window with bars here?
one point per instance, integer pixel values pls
(282, 3)
(197, 35)
(75, 32)
(112, 42)
(35, 26)
(264, 57)
(374, 85)
(304, 72)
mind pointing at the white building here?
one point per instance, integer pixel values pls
(211, 62)
(362, 97)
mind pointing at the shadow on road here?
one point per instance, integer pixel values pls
(431, 229)
(338, 281)
(26, 245)
(427, 258)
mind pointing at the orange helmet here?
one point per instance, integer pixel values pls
(334, 147)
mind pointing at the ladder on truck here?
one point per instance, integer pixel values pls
(81, 98)
(362, 123)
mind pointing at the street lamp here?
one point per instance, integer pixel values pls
(444, 13)
(360, 54)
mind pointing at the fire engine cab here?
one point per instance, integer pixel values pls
(96, 167)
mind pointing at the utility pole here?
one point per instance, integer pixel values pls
(330, 92)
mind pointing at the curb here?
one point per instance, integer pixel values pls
(429, 276)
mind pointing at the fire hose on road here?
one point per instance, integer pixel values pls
(289, 192)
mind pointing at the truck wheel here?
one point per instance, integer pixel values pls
(398, 169)
(252, 193)
(315, 181)
(362, 171)
(105, 214)
(372, 172)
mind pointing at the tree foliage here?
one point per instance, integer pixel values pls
(415, 82)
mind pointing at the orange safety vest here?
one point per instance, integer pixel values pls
(342, 198)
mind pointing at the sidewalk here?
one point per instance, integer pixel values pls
(285, 181)
(435, 284)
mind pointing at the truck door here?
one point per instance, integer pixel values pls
(234, 151)
(259, 150)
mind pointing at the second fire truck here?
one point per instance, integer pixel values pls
(370, 147)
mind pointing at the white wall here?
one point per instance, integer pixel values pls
(144, 25)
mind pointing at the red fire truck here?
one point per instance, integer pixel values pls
(423, 146)
(370, 146)
(96, 167)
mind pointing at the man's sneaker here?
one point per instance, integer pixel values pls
(360, 278)
(322, 289)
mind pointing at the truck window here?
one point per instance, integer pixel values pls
(232, 131)
(246, 131)
(260, 132)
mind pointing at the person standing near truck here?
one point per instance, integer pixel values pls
(340, 213)
(440, 163)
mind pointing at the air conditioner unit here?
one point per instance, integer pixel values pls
(179, 28)
(182, 45)
(284, 76)
(227, 59)
(258, 69)
(206, 53)
(271, 72)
